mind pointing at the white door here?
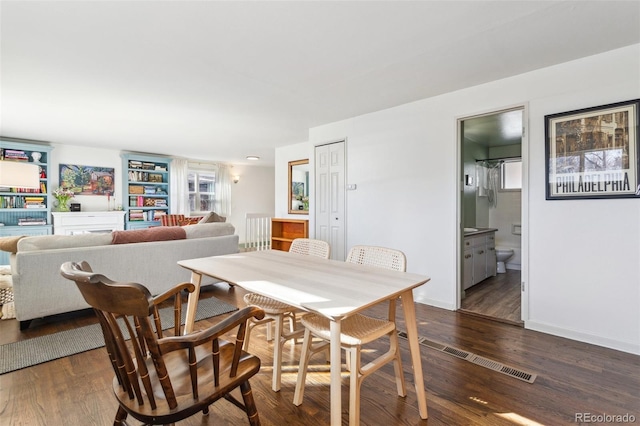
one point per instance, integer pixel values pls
(330, 218)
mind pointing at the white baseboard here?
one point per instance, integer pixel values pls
(435, 303)
(630, 347)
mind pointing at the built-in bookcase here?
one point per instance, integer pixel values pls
(284, 231)
(25, 211)
(145, 189)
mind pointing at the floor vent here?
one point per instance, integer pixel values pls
(476, 359)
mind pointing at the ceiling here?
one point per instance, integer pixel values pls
(498, 129)
(219, 81)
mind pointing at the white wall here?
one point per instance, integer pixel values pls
(79, 155)
(254, 193)
(583, 275)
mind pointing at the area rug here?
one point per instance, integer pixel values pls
(6, 295)
(26, 353)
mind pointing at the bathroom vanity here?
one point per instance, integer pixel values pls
(479, 258)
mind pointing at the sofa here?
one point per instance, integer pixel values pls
(146, 256)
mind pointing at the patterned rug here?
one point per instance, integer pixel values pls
(6, 296)
(26, 353)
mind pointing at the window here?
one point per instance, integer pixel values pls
(511, 175)
(202, 195)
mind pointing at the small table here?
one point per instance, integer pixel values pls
(327, 287)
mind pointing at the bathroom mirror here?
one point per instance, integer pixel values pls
(299, 186)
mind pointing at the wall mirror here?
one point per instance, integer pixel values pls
(299, 186)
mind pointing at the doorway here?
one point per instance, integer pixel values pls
(490, 146)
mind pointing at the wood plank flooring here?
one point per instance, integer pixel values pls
(496, 297)
(573, 377)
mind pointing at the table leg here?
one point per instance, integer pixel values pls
(414, 347)
(192, 302)
(336, 370)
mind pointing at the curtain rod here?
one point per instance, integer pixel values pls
(499, 159)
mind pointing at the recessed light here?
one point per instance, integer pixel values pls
(253, 157)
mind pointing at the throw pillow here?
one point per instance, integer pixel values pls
(159, 233)
(10, 244)
(212, 217)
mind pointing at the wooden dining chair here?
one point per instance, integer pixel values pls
(356, 331)
(163, 379)
(276, 312)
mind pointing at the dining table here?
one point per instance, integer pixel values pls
(332, 288)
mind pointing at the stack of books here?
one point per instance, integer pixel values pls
(30, 221)
(13, 154)
(135, 215)
(34, 203)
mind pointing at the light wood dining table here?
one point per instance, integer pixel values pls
(327, 287)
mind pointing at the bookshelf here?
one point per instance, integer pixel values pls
(25, 211)
(284, 231)
(145, 189)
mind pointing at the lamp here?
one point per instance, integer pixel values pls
(236, 179)
(14, 174)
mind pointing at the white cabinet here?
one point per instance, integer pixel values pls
(491, 255)
(479, 258)
(70, 223)
(467, 273)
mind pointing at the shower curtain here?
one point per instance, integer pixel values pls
(488, 180)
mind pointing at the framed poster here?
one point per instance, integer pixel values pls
(87, 180)
(593, 152)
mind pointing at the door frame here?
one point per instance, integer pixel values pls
(524, 285)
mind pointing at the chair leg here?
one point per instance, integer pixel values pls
(397, 365)
(355, 380)
(121, 416)
(249, 403)
(305, 354)
(277, 353)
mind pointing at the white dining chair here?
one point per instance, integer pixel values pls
(276, 312)
(356, 331)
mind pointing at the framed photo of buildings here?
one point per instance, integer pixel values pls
(593, 152)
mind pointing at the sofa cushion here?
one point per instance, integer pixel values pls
(10, 243)
(216, 229)
(51, 242)
(158, 233)
(212, 217)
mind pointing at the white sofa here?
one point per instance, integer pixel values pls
(40, 290)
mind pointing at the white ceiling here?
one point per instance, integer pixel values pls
(222, 80)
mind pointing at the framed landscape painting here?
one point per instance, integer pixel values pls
(593, 152)
(87, 180)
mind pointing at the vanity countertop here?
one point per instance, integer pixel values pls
(478, 231)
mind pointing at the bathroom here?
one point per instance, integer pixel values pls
(492, 180)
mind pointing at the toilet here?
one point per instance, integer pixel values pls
(502, 255)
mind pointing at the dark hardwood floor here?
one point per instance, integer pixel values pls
(496, 298)
(572, 378)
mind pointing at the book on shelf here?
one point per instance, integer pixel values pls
(135, 164)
